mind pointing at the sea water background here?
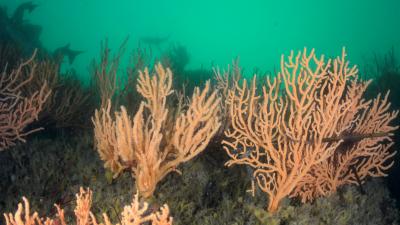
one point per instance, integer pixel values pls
(214, 32)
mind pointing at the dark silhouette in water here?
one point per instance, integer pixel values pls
(61, 52)
(18, 16)
(385, 72)
(154, 41)
(16, 31)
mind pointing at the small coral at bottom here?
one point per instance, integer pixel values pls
(134, 214)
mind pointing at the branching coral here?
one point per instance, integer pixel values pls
(287, 137)
(17, 111)
(225, 82)
(135, 214)
(67, 98)
(104, 74)
(366, 154)
(154, 142)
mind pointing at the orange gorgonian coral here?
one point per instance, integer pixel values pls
(18, 111)
(155, 141)
(295, 134)
(135, 214)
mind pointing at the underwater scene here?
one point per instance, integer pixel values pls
(199, 112)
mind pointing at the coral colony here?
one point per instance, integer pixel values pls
(308, 138)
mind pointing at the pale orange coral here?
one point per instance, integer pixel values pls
(135, 214)
(299, 121)
(17, 111)
(154, 142)
(366, 153)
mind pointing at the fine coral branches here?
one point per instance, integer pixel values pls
(307, 132)
(104, 74)
(135, 214)
(287, 137)
(106, 139)
(354, 161)
(154, 142)
(17, 111)
(19, 219)
(63, 107)
(224, 83)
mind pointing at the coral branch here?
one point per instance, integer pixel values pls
(154, 142)
(135, 214)
(17, 111)
(302, 142)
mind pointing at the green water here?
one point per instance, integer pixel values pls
(215, 32)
